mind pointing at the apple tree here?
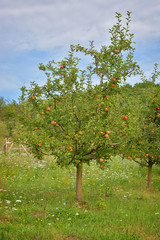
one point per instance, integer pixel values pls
(139, 129)
(68, 116)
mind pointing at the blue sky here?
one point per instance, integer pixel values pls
(36, 31)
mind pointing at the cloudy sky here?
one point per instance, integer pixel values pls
(36, 31)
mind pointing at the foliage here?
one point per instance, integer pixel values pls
(68, 116)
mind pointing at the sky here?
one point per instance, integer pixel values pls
(37, 31)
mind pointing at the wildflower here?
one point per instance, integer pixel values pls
(37, 237)
(77, 214)
(156, 213)
(64, 203)
(69, 219)
(14, 209)
(49, 223)
(18, 201)
(8, 202)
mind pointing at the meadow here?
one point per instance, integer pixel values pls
(37, 201)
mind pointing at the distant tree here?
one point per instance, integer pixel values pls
(139, 128)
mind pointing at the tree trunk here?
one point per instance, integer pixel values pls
(149, 177)
(79, 183)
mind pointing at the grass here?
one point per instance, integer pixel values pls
(37, 201)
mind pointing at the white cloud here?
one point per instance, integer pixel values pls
(38, 25)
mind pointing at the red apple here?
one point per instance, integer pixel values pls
(152, 131)
(88, 114)
(39, 144)
(149, 118)
(53, 122)
(108, 132)
(106, 109)
(53, 138)
(61, 66)
(107, 96)
(114, 79)
(147, 154)
(106, 135)
(101, 160)
(117, 51)
(70, 149)
(113, 85)
(101, 166)
(36, 128)
(33, 97)
(125, 117)
(158, 108)
(48, 109)
(128, 157)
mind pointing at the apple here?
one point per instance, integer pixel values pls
(88, 114)
(107, 96)
(53, 138)
(70, 149)
(61, 66)
(158, 108)
(101, 166)
(57, 101)
(106, 135)
(99, 104)
(36, 128)
(125, 117)
(33, 97)
(53, 122)
(113, 85)
(128, 157)
(106, 109)
(114, 79)
(48, 109)
(108, 132)
(57, 125)
(52, 149)
(39, 144)
(101, 160)
(42, 113)
(67, 136)
(147, 154)
(116, 51)
(158, 156)
(152, 131)
(149, 118)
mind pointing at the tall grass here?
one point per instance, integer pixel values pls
(38, 201)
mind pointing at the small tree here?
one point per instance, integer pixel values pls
(68, 116)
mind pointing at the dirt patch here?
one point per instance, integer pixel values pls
(38, 214)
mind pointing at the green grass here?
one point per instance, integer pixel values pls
(37, 201)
